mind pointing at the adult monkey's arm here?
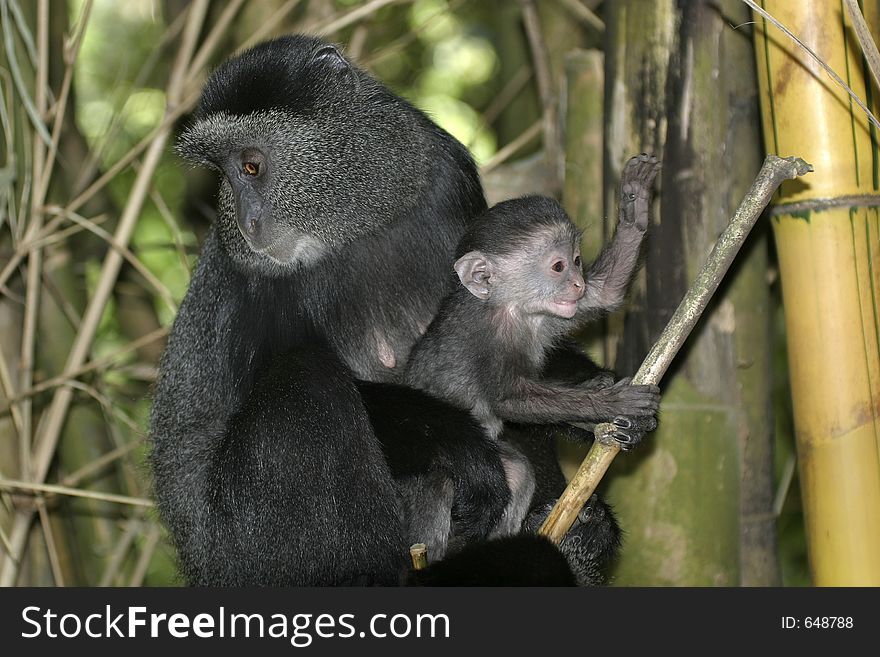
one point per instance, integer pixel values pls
(773, 172)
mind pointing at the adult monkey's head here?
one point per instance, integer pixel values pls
(314, 153)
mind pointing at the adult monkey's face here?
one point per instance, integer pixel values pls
(309, 159)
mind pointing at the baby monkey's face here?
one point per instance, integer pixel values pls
(558, 280)
(545, 279)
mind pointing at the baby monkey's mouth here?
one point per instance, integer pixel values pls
(566, 308)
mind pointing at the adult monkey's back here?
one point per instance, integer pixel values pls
(338, 213)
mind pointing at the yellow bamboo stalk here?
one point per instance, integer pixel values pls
(828, 240)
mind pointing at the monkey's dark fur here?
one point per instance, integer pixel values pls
(531, 560)
(448, 473)
(339, 210)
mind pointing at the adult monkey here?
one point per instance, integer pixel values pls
(338, 213)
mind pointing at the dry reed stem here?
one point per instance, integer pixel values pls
(553, 149)
(173, 227)
(98, 363)
(31, 110)
(403, 41)
(52, 235)
(418, 552)
(4, 539)
(56, 489)
(23, 247)
(513, 147)
(84, 197)
(270, 24)
(120, 551)
(70, 57)
(218, 31)
(358, 40)
(33, 279)
(583, 14)
(51, 547)
(152, 280)
(336, 23)
(99, 463)
(9, 392)
(785, 480)
(866, 41)
(143, 563)
(64, 304)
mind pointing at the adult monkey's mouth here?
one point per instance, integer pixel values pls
(290, 250)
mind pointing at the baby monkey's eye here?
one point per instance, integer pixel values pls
(251, 168)
(577, 261)
(558, 266)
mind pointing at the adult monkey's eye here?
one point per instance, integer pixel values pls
(251, 168)
(558, 266)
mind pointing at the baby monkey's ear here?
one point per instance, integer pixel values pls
(475, 272)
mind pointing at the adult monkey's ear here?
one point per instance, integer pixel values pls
(475, 271)
(332, 56)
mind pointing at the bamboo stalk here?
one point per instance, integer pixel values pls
(828, 244)
(819, 60)
(773, 172)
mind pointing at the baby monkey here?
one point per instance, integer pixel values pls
(523, 289)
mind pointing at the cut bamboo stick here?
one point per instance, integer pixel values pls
(418, 552)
